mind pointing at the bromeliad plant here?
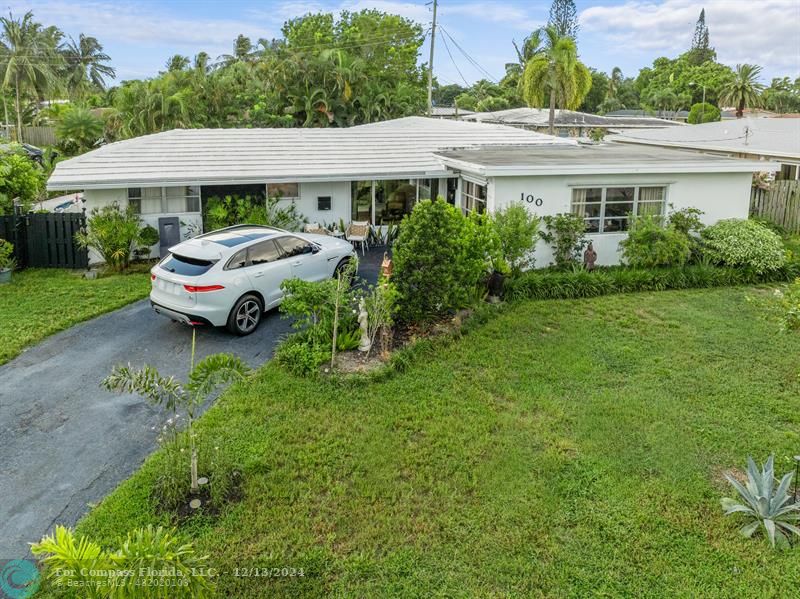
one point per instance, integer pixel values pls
(204, 378)
(772, 508)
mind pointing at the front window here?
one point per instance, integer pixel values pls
(473, 197)
(608, 209)
(284, 191)
(135, 199)
(182, 199)
(393, 200)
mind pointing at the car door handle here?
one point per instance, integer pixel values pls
(298, 263)
(259, 274)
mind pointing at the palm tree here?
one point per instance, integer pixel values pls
(177, 62)
(27, 58)
(85, 64)
(79, 129)
(204, 378)
(614, 83)
(743, 90)
(555, 73)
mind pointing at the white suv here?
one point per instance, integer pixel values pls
(231, 276)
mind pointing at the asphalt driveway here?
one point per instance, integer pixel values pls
(65, 442)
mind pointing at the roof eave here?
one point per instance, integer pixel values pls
(688, 145)
(124, 183)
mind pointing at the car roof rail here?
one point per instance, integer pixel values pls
(233, 228)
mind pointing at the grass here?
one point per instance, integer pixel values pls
(41, 301)
(564, 448)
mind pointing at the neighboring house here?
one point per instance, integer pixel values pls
(449, 112)
(378, 172)
(775, 139)
(567, 123)
(670, 115)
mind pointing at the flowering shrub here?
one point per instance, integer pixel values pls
(743, 243)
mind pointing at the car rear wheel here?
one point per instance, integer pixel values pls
(341, 268)
(245, 315)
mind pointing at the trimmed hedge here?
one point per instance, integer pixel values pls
(569, 285)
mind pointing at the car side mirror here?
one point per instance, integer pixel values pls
(315, 248)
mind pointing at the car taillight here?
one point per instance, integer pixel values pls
(152, 277)
(202, 288)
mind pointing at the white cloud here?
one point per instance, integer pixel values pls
(141, 24)
(763, 32)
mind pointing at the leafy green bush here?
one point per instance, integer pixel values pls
(783, 306)
(703, 113)
(160, 565)
(6, 255)
(743, 243)
(236, 210)
(650, 243)
(440, 257)
(686, 220)
(517, 231)
(20, 177)
(566, 234)
(113, 233)
(765, 505)
(300, 356)
(555, 284)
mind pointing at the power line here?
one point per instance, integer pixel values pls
(447, 47)
(468, 57)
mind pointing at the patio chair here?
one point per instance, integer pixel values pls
(358, 232)
(315, 228)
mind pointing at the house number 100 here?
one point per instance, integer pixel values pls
(530, 199)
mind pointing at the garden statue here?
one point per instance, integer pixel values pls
(363, 319)
(386, 266)
(589, 257)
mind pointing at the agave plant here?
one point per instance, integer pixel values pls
(766, 506)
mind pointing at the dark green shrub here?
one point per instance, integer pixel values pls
(649, 243)
(566, 234)
(236, 210)
(743, 243)
(440, 257)
(20, 177)
(301, 356)
(686, 220)
(553, 284)
(703, 113)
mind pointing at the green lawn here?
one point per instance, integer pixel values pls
(565, 448)
(39, 302)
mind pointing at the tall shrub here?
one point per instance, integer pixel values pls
(650, 243)
(566, 234)
(20, 177)
(744, 243)
(517, 232)
(440, 256)
(113, 233)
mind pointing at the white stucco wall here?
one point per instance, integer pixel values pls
(718, 195)
(339, 192)
(191, 222)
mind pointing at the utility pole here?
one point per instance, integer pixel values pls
(430, 63)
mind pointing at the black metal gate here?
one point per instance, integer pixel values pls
(45, 240)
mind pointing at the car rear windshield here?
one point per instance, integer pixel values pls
(184, 265)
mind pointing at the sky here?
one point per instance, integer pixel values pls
(140, 35)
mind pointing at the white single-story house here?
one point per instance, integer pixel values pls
(775, 139)
(378, 172)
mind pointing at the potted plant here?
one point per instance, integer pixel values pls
(7, 262)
